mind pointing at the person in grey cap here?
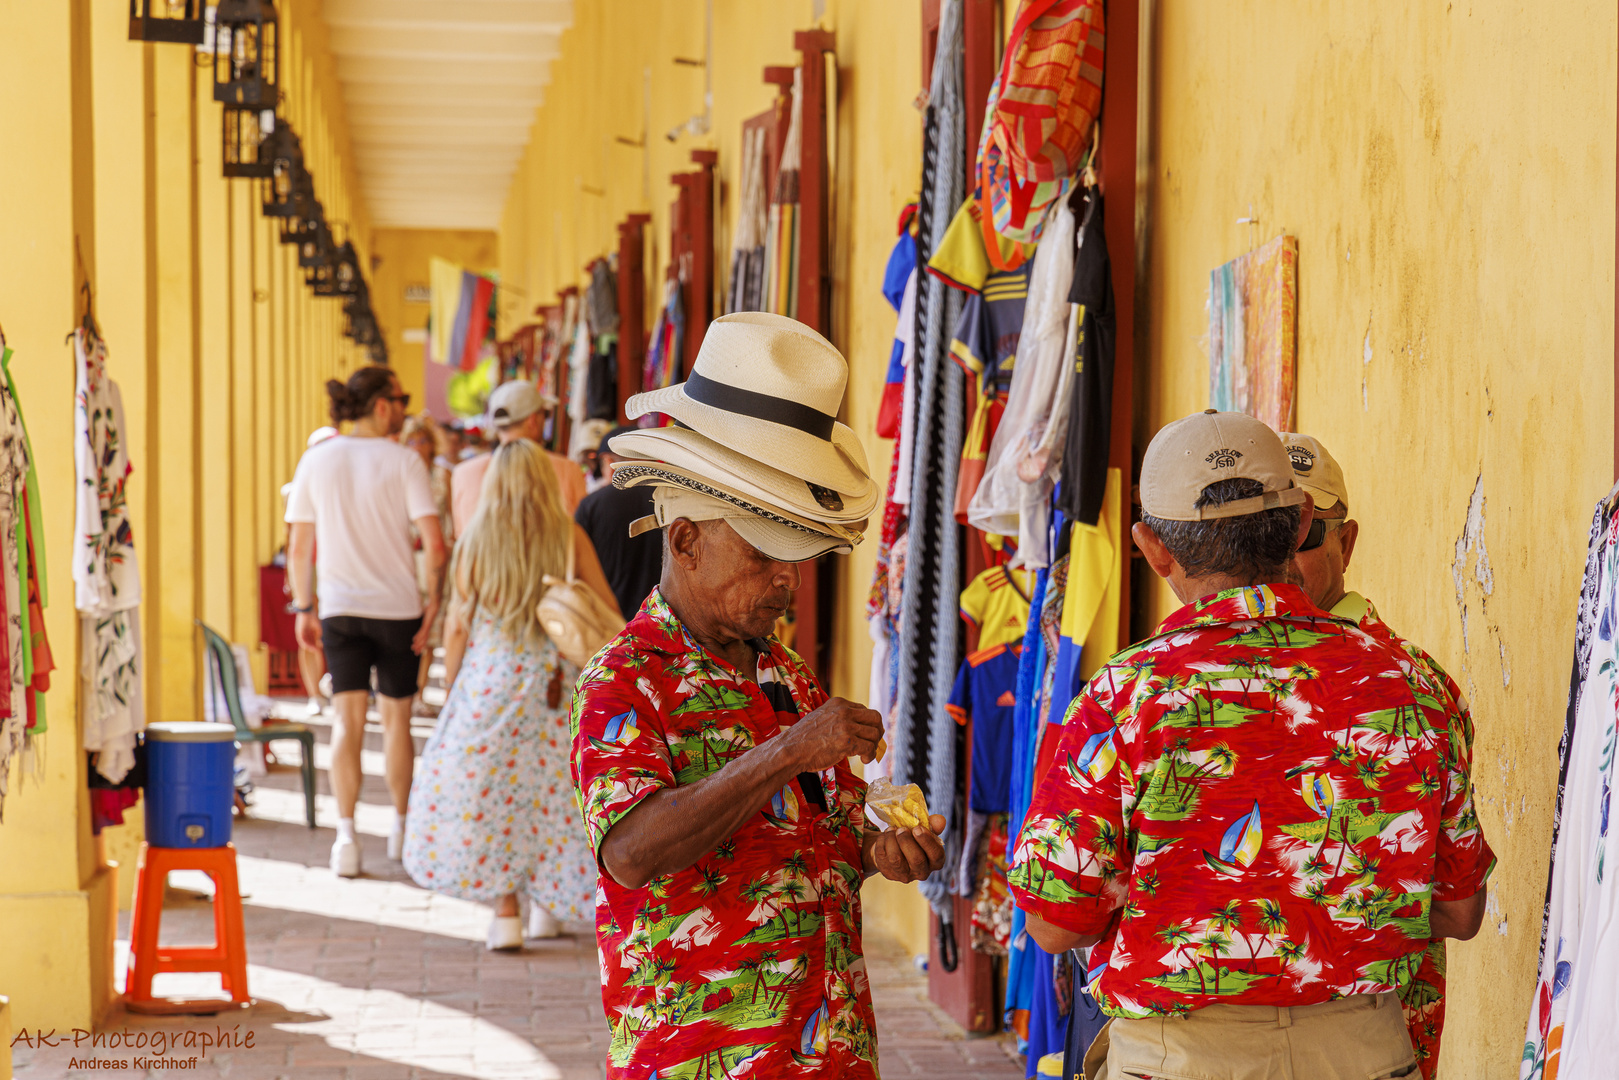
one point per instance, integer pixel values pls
(1255, 818)
(517, 411)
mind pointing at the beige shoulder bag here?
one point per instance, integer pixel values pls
(578, 621)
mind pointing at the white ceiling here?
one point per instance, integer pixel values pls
(440, 97)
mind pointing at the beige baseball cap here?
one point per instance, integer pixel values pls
(1202, 449)
(1316, 470)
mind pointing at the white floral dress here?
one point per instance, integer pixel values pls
(492, 809)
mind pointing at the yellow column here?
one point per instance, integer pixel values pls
(214, 368)
(55, 965)
(172, 568)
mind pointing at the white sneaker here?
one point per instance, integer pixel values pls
(396, 844)
(315, 707)
(505, 933)
(541, 924)
(346, 858)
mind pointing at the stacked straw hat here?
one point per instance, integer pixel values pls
(755, 441)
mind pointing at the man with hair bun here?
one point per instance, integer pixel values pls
(357, 496)
(1256, 817)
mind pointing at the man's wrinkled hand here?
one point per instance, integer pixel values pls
(906, 855)
(834, 733)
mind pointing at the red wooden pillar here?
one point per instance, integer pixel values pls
(699, 285)
(563, 425)
(814, 275)
(1117, 175)
(631, 308)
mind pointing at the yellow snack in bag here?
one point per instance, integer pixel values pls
(899, 807)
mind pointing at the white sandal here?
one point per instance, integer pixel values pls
(505, 933)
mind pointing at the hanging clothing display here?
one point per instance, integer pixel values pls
(25, 659)
(106, 579)
(896, 285)
(1571, 1032)
(579, 358)
(666, 348)
(1090, 415)
(997, 504)
(924, 750)
(753, 219)
(601, 298)
(781, 232)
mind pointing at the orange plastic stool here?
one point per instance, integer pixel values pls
(227, 955)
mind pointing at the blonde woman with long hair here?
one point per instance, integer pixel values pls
(492, 813)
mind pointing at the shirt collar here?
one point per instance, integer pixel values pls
(1242, 605)
(1354, 607)
(658, 628)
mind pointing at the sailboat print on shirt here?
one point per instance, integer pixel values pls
(1239, 846)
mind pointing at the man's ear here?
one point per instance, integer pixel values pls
(684, 539)
(1157, 555)
(1348, 533)
(1306, 516)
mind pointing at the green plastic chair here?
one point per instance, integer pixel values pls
(222, 666)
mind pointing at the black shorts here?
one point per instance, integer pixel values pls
(354, 646)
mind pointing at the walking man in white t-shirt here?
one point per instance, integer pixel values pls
(356, 497)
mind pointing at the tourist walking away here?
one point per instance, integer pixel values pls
(311, 662)
(422, 434)
(632, 564)
(517, 410)
(712, 769)
(358, 497)
(492, 814)
(1322, 559)
(1260, 816)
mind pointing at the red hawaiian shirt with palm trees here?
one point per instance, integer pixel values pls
(1255, 806)
(748, 962)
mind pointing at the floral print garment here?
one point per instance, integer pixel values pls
(1234, 831)
(1423, 998)
(748, 962)
(492, 810)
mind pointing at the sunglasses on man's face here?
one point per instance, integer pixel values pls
(403, 399)
(1319, 528)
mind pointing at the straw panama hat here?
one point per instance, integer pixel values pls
(769, 388)
(703, 456)
(638, 472)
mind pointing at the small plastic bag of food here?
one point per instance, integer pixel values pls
(899, 807)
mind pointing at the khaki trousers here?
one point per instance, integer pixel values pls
(1355, 1038)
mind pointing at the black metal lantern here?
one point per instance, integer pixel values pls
(314, 239)
(246, 143)
(340, 276)
(379, 352)
(247, 54)
(289, 187)
(180, 22)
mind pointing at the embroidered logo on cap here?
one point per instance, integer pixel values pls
(1223, 459)
(1303, 458)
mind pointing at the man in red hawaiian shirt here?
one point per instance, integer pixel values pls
(1255, 812)
(1322, 560)
(712, 770)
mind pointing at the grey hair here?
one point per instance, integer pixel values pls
(1254, 547)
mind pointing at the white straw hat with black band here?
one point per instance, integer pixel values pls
(639, 472)
(703, 456)
(769, 388)
(778, 541)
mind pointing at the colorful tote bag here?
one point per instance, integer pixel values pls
(1039, 113)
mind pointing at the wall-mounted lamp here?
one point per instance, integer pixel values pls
(179, 22)
(247, 56)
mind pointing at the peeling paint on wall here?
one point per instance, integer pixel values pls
(1365, 365)
(1471, 539)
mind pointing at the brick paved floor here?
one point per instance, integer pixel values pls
(376, 978)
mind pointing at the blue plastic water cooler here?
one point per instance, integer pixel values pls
(190, 772)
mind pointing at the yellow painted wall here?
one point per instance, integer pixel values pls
(1451, 182)
(616, 78)
(400, 258)
(220, 353)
